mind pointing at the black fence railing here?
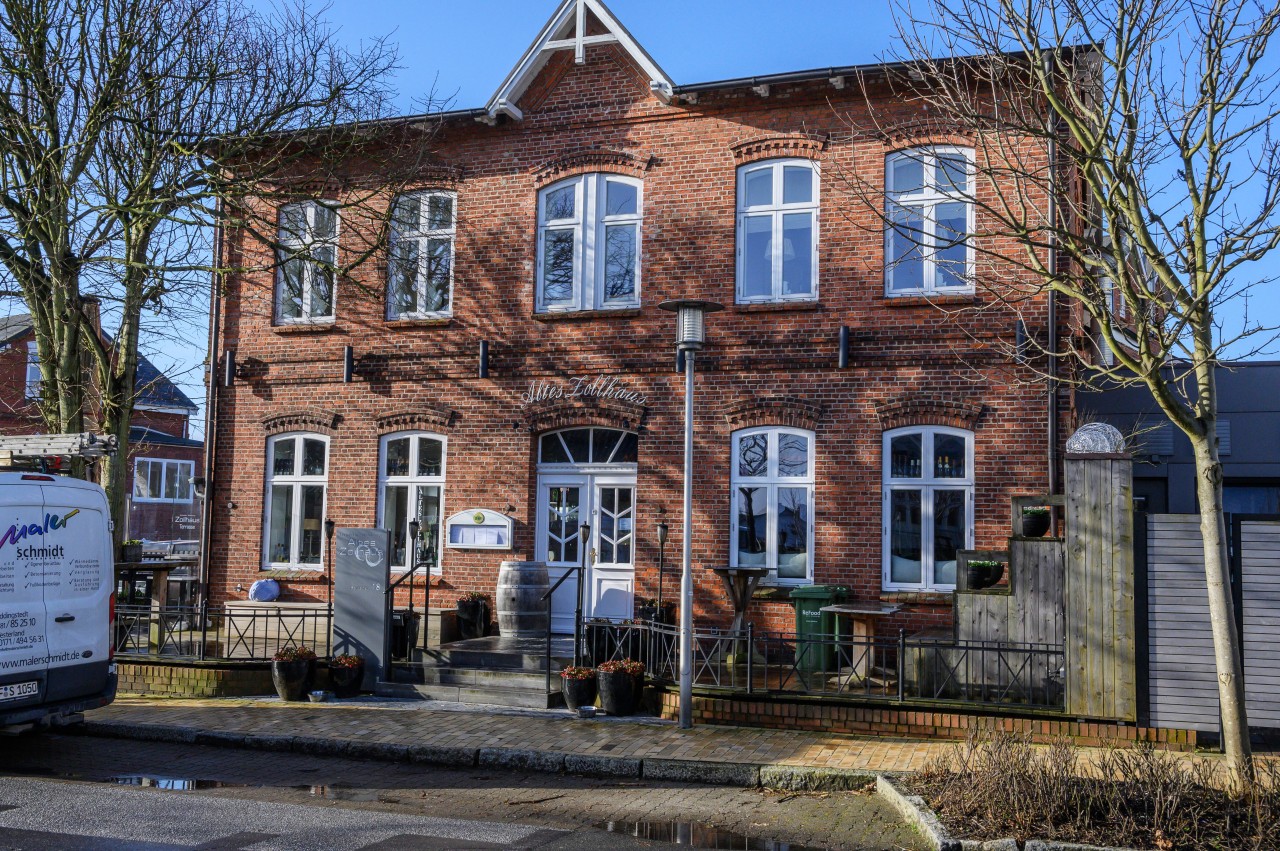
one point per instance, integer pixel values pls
(891, 668)
(233, 634)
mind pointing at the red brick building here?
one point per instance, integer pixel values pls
(163, 455)
(589, 190)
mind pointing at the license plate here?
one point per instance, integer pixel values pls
(17, 691)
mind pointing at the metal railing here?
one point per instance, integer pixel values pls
(890, 668)
(236, 634)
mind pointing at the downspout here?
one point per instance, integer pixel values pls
(1052, 342)
(210, 419)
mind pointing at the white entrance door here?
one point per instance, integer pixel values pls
(607, 503)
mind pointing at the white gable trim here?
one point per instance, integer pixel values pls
(567, 31)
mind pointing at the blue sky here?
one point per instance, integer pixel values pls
(462, 50)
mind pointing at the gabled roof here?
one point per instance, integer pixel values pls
(567, 30)
(152, 386)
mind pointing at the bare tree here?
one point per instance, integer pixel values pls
(129, 129)
(1122, 162)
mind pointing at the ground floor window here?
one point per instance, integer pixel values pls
(162, 480)
(928, 506)
(773, 502)
(297, 476)
(412, 488)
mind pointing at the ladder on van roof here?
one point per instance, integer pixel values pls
(26, 450)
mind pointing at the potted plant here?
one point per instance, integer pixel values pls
(346, 674)
(619, 684)
(981, 573)
(651, 611)
(292, 671)
(1035, 521)
(578, 685)
(473, 614)
(131, 551)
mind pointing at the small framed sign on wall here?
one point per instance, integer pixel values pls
(479, 529)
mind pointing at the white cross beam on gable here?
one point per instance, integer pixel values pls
(580, 38)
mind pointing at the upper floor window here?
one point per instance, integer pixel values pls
(929, 207)
(33, 370)
(162, 480)
(308, 252)
(589, 243)
(297, 478)
(773, 502)
(778, 231)
(412, 488)
(928, 506)
(420, 274)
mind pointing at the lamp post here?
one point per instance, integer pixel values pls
(691, 335)
(663, 529)
(329, 527)
(584, 544)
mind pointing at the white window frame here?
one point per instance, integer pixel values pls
(34, 377)
(777, 210)
(926, 485)
(589, 226)
(185, 472)
(423, 236)
(771, 482)
(294, 245)
(413, 481)
(928, 197)
(296, 482)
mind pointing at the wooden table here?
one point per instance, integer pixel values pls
(862, 618)
(741, 583)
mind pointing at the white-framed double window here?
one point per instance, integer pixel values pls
(34, 378)
(773, 503)
(308, 241)
(411, 475)
(929, 214)
(162, 480)
(589, 231)
(297, 478)
(778, 231)
(928, 506)
(420, 270)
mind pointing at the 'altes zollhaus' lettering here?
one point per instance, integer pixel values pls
(600, 387)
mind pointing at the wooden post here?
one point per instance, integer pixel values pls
(1101, 632)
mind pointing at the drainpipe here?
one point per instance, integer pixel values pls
(1052, 366)
(210, 424)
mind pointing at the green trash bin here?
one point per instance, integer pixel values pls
(812, 623)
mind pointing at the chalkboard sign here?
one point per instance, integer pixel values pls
(479, 529)
(360, 576)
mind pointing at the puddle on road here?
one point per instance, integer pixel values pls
(173, 784)
(699, 836)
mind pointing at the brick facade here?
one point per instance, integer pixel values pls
(911, 361)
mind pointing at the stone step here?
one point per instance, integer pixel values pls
(487, 677)
(493, 653)
(526, 698)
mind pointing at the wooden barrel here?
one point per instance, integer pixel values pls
(522, 613)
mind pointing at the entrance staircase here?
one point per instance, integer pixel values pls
(492, 671)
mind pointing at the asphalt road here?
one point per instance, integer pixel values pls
(72, 792)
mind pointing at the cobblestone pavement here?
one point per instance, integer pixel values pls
(416, 723)
(524, 802)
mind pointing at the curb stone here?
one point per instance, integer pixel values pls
(800, 778)
(602, 766)
(443, 755)
(548, 762)
(914, 809)
(695, 771)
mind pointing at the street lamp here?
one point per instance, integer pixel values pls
(691, 335)
(584, 544)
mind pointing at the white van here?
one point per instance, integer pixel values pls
(57, 600)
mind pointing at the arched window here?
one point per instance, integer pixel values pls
(929, 205)
(297, 476)
(411, 476)
(773, 502)
(778, 231)
(420, 274)
(928, 505)
(587, 446)
(589, 243)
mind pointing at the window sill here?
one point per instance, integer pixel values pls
(420, 322)
(305, 328)
(922, 598)
(570, 315)
(777, 306)
(296, 574)
(930, 300)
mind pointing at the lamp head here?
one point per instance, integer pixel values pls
(414, 526)
(663, 530)
(691, 328)
(329, 527)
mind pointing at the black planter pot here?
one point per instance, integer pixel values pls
(293, 679)
(617, 692)
(473, 618)
(131, 553)
(664, 614)
(578, 692)
(980, 576)
(607, 641)
(346, 681)
(1034, 525)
